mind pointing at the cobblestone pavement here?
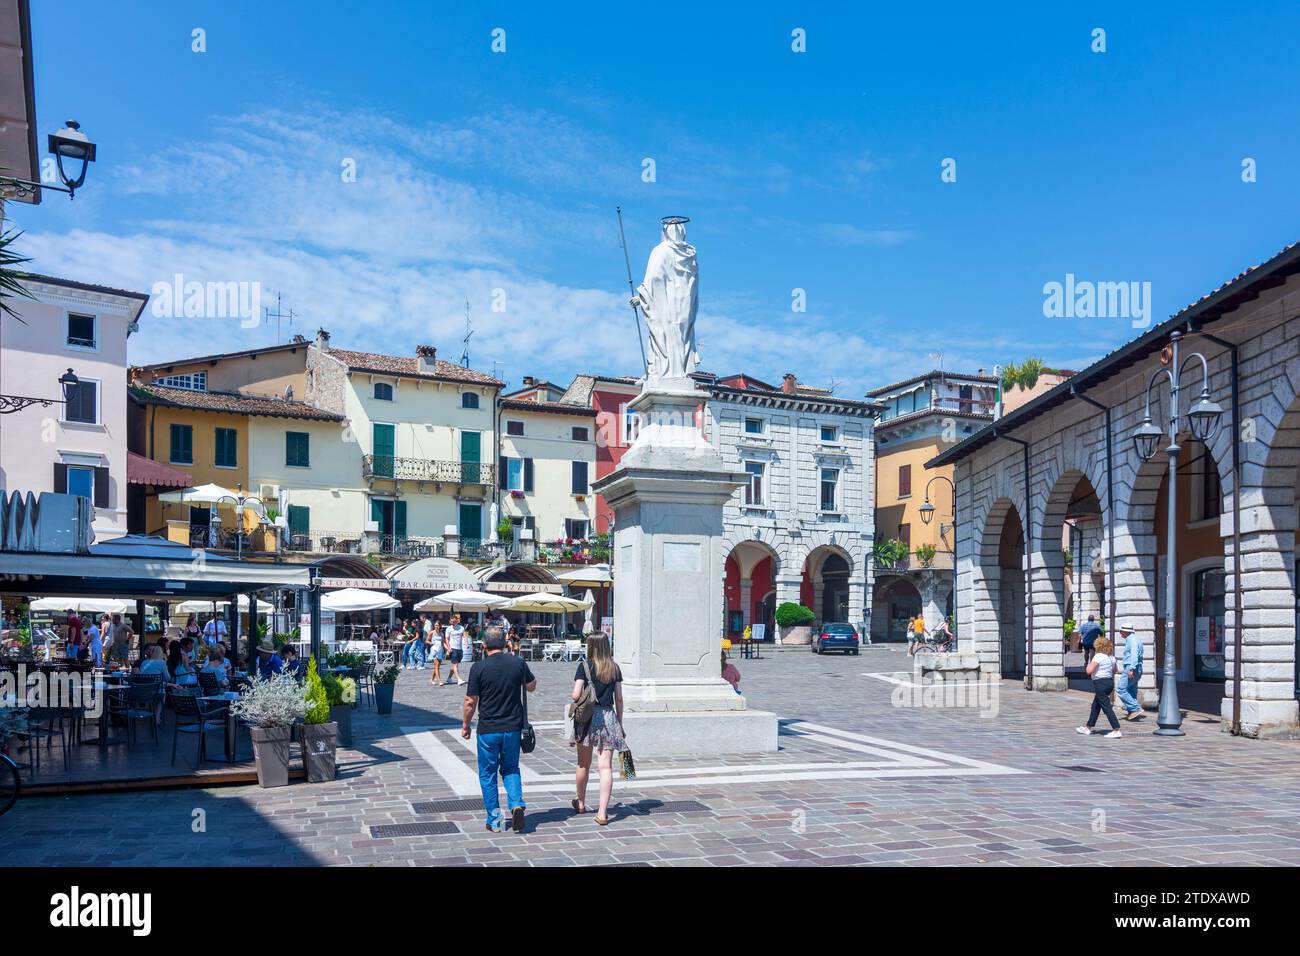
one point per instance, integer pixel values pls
(858, 780)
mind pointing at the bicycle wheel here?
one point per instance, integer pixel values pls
(10, 784)
(925, 649)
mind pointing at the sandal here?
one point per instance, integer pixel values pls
(602, 821)
(577, 807)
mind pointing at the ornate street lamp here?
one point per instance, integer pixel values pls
(241, 500)
(1203, 424)
(927, 515)
(16, 403)
(70, 144)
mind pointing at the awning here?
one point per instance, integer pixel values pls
(433, 574)
(145, 578)
(518, 577)
(592, 576)
(145, 471)
(355, 599)
(546, 603)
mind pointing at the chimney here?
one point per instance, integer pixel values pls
(529, 381)
(322, 340)
(426, 359)
(789, 384)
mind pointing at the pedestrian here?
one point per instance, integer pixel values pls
(1088, 635)
(415, 641)
(95, 640)
(72, 646)
(1130, 672)
(603, 734)
(437, 651)
(120, 634)
(192, 628)
(730, 673)
(497, 685)
(214, 630)
(457, 639)
(1102, 671)
(915, 632)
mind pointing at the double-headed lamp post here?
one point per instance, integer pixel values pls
(927, 516)
(1202, 422)
(241, 501)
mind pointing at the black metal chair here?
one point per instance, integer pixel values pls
(210, 684)
(138, 703)
(366, 682)
(45, 723)
(194, 716)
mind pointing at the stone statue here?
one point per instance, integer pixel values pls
(669, 297)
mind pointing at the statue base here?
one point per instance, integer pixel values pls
(668, 495)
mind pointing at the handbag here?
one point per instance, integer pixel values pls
(626, 768)
(527, 737)
(585, 705)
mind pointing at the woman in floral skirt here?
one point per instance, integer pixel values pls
(604, 733)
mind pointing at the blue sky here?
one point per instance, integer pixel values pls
(819, 171)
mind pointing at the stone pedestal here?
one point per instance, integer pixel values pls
(667, 496)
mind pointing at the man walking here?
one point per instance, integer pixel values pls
(1130, 672)
(496, 688)
(1088, 635)
(458, 642)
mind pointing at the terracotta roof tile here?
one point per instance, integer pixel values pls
(408, 366)
(231, 402)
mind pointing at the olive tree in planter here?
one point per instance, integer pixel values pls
(342, 695)
(270, 705)
(319, 733)
(794, 622)
(385, 684)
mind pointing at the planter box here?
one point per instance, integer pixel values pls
(799, 634)
(342, 716)
(271, 754)
(319, 743)
(384, 698)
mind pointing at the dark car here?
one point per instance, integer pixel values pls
(835, 637)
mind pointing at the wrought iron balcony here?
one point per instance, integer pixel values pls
(425, 469)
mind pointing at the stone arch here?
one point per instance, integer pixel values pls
(895, 600)
(998, 593)
(830, 570)
(751, 564)
(1070, 507)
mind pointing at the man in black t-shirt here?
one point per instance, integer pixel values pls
(496, 687)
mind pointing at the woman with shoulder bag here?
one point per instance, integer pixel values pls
(598, 715)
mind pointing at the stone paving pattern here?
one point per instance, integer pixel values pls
(1206, 798)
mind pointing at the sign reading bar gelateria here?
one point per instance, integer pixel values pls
(434, 574)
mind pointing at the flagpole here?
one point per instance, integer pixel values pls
(636, 312)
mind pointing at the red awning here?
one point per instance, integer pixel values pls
(144, 471)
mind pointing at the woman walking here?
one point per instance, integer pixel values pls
(437, 650)
(603, 734)
(1102, 671)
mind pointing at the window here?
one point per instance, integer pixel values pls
(580, 433)
(383, 392)
(753, 426)
(299, 519)
(297, 449)
(514, 428)
(81, 331)
(904, 480)
(182, 445)
(1209, 502)
(754, 490)
(190, 381)
(829, 487)
(83, 405)
(579, 477)
(905, 535)
(81, 481)
(631, 425)
(469, 400)
(830, 433)
(227, 448)
(575, 528)
(514, 474)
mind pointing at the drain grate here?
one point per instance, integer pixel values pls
(1080, 768)
(446, 806)
(413, 829)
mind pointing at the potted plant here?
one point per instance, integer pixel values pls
(925, 554)
(794, 621)
(1070, 628)
(505, 529)
(319, 733)
(890, 552)
(385, 684)
(271, 705)
(342, 695)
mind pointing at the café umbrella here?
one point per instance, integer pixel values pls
(357, 599)
(462, 599)
(546, 603)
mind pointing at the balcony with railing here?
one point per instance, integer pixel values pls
(942, 561)
(410, 547)
(428, 469)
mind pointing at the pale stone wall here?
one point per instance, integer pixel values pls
(1069, 442)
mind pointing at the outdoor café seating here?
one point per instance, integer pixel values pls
(193, 715)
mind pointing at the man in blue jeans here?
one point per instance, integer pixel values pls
(496, 690)
(1129, 673)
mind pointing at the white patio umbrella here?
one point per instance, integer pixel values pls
(593, 575)
(587, 626)
(462, 599)
(358, 599)
(547, 603)
(205, 607)
(200, 494)
(83, 604)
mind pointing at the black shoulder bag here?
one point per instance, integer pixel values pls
(527, 737)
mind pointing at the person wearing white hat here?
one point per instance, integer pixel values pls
(1130, 672)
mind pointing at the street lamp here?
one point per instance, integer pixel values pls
(69, 143)
(927, 515)
(16, 403)
(1203, 424)
(241, 500)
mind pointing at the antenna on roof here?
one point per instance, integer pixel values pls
(278, 315)
(464, 355)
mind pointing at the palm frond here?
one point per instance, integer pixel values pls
(11, 277)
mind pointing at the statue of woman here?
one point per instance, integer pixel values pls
(669, 297)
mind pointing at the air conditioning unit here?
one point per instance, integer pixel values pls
(270, 494)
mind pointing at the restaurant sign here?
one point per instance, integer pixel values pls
(523, 587)
(378, 584)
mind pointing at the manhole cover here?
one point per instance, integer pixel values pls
(446, 806)
(413, 829)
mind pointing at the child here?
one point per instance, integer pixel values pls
(1102, 671)
(730, 674)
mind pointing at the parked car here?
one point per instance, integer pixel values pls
(835, 637)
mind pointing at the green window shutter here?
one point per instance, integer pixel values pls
(182, 444)
(227, 447)
(399, 519)
(528, 475)
(376, 512)
(297, 449)
(299, 519)
(384, 439)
